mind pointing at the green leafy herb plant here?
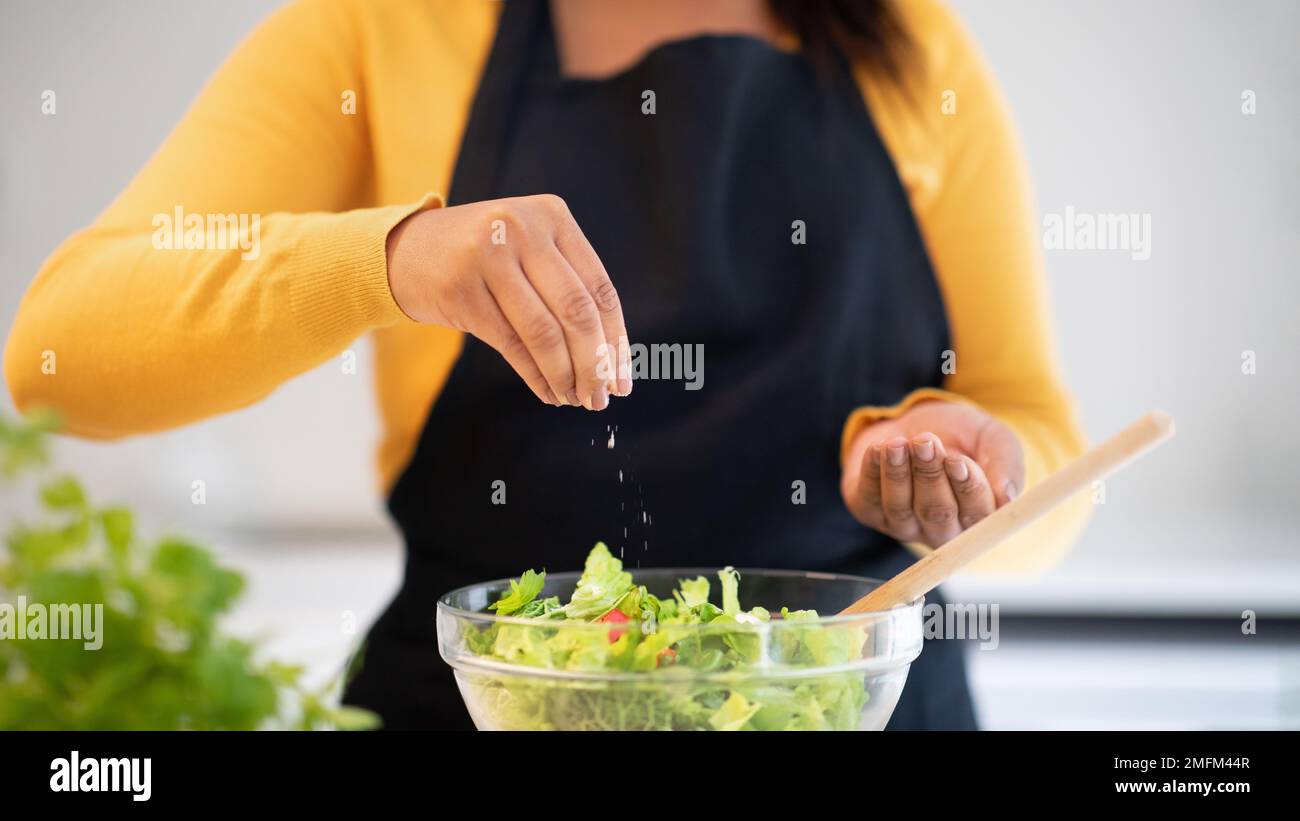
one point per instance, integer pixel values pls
(164, 662)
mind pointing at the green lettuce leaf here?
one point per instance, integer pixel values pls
(730, 590)
(519, 644)
(521, 593)
(692, 592)
(542, 608)
(602, 585)
(734, 713)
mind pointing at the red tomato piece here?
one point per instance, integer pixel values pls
(614, 617)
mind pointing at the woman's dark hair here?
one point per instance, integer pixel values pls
(865, 31)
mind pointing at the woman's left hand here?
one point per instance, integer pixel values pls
(934, 471)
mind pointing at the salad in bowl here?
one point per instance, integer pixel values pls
(675, 649)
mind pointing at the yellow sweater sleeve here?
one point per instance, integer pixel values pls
(122, 334)
(958, 156)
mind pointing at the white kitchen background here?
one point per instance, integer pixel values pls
(1124, 106)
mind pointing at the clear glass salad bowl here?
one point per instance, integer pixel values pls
(790, 671)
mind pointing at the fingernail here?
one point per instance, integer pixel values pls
(957, 470)
(624, 385)
(1011, 491)
(874, 449)
(924, 450)
(573, 398)
(551, 399)
(897, 455)
(600, 399)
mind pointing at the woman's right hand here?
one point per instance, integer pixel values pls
(519, 274)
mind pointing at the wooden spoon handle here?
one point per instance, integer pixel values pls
(927, 573)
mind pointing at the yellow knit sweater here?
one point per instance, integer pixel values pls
(335, 119)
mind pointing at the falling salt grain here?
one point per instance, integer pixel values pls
(610, 443)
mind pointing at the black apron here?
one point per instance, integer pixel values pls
(697, 211)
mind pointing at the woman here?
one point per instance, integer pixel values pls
(824, 196)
